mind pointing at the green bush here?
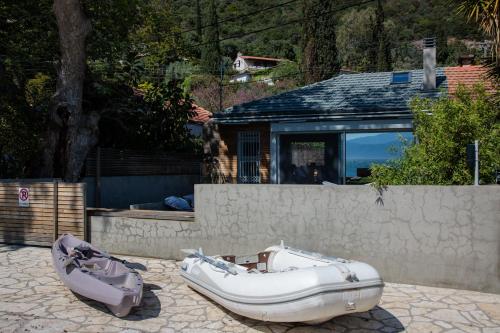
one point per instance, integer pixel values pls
(443, 128)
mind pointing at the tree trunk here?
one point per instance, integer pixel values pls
(71, 132)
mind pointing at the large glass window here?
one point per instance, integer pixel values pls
(365, 149)
(309, 158)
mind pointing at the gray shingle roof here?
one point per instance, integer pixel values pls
(346, 95)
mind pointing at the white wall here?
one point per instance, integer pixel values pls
(430, 235)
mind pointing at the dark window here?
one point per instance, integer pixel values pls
(309, 158)
(401, 77)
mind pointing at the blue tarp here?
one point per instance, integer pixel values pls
(178, 203)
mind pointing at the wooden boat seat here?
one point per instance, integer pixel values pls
(257, 262)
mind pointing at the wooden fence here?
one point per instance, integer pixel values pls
(52, 208)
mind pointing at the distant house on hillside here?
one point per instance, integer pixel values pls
(331, 130)
(247, 66)
(244, 63)
(241, 77)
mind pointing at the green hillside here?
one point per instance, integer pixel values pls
(405, 20)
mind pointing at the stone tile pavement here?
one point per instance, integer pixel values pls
(32, 299)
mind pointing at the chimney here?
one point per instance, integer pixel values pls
(429, 63)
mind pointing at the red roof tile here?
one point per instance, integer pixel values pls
(468, 76)
(199, 114)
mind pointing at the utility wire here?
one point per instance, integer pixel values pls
(283, 24)
(275, 26)
(161, 72)
(240, 16)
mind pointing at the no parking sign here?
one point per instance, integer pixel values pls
(24, 197)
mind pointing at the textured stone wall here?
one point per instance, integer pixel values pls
(429, 235)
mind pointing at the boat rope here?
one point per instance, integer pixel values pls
(218, 264)
(338, 263)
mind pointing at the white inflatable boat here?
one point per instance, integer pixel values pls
(283, 284)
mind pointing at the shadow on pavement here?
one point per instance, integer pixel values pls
(377, 319)
(9, 247)
(136, 266)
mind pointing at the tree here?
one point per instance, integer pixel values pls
(155, 39)
(211, 54)
(130, 42)
(320, 57)
(71, 132)
(199, 31)
(381, 50)
(354, 39)
(364, 40)
(487, 14)
(165, 111)
(443, 128)
(27, 44)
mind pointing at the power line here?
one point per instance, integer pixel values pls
(241, 16)
(267, 28)
(283, 24)
(271, 27)
(161, 72)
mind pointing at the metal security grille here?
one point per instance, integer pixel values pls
(248, 157)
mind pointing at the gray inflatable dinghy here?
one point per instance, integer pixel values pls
(92, 273)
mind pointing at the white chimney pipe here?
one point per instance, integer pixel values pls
(429, 63)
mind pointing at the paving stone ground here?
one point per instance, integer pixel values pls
(32, 299)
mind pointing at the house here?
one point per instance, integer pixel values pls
(331, 130)
(246, 66)
(244, 63)
(241, 77)
(247, 77)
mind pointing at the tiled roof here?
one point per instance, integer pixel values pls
(347, 94)
(468, 76)
(352, 96)
(199, 114)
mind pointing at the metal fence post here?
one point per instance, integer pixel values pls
(86, 225)
(98, 177)
(476, 162)
(55, 207)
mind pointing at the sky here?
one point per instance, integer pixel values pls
(352, 136)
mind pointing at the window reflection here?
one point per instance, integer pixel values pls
(365, 149)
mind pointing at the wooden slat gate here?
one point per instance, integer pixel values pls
(126, 162)
(54, 208)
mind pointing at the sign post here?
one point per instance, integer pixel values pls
(476, 162)
(24, 197)
(473, 159)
